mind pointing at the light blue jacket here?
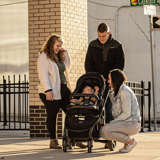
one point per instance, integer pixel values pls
(125, 105)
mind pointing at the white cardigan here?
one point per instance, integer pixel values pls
(49, 75)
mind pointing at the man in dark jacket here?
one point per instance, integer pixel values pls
(103, 55)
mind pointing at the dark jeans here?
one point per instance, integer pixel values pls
(108, 106)
(53, 107)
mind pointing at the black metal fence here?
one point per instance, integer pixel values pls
(14, 103)
(143, 95)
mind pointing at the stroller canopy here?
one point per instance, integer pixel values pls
(92, 79)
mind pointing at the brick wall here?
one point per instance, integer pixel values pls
(67, 18)
(38, 126)
(74, 32)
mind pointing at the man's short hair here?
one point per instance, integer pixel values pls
(102, 28)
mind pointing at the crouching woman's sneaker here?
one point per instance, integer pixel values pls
(127, 148)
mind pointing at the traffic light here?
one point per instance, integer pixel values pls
(156, 22)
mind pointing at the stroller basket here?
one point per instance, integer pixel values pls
(81, 118)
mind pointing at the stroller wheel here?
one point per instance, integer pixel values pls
(90, 146)
(110, 145)
(64, 145)
(114, 144)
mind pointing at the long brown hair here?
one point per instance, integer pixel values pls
(117, 77)
(47, 47)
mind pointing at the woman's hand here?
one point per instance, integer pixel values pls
(49, 96)
(62, 49)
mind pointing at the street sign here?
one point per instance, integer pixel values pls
(143, 2)
(134, 3)
(150, 10)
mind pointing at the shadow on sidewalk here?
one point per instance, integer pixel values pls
(6, 141)
(47, 154)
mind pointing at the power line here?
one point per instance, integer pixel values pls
(8, 4)
(102, 4)
(95, 18)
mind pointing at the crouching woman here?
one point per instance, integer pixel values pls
(125, 110)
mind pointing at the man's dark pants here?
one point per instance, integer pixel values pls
(108, 106)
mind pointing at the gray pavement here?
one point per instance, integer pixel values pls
(148, 148)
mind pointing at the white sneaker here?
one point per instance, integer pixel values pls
(122, 148)
(128, 148)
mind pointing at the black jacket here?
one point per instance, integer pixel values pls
(102, 58)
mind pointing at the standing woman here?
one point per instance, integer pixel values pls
(125, 110)
(50, 84)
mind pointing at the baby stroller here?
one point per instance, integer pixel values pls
(83, 121)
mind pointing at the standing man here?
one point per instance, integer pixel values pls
(103, 55)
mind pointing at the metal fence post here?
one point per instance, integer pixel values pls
(149, 106)
(19, 102)
(142, 107)
(4, 103)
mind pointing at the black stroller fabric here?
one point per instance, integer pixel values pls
(92, 79)
(79, 122)
(84, 121)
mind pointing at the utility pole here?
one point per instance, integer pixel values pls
(152, 67)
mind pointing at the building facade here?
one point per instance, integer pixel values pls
(68, 18)
(76, 22)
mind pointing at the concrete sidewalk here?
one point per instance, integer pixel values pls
(148, 148)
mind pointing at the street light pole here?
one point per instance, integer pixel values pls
(152, 67)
